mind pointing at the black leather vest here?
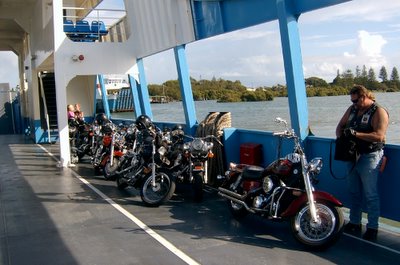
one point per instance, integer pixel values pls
(363, 123)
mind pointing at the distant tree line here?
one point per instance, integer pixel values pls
(233, 91)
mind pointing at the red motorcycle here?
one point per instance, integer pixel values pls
(284, 191)
(121, 141)
(105, 145)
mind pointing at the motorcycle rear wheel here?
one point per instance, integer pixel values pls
(162, 191)
(323, 234)
(109, 171)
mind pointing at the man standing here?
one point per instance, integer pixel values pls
(366, 123)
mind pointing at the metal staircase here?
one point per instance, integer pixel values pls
(48, 105)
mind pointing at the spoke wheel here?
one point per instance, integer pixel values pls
(109, 171)
(162, 191)
(321, 234)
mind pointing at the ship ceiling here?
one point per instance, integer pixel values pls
(12, 33)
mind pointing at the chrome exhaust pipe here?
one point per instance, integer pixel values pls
(238, 201)
(231, 194)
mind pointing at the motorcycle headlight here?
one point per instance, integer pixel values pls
(268, 184)
(315, 165)
(197, 145)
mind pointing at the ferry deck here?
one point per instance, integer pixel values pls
(52, 215)
(55, 212)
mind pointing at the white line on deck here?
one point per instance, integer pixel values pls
(134, 219)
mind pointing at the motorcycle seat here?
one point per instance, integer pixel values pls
(252, 172)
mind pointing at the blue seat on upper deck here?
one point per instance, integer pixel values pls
(69, 26)
(99, 28)
(85, 33)
(82, 26)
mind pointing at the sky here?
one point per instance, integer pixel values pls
(341, 37)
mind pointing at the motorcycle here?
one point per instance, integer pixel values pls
(102, 145)
(284, 190)
(84, 139)
(141, 168)
(190, 160)
(113, 153)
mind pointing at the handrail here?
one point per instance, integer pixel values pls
(46, 114)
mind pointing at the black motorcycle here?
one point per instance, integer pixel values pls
(284, 190)
(102, 145)
(189, 159)
(122, 140)
(84, 140)
(141, 168)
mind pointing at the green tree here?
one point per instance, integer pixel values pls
(394, 75)
(371, 75)
(372, 83)
(347, 79)
(358, 72)
(394, 82)
(362, 77)
(316, 82)
(383, 74)
(364, 72)
(337, 79)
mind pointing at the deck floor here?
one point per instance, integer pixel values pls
(51, 215)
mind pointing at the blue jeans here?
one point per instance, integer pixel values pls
(363, 180)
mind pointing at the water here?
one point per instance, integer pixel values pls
(324, 113)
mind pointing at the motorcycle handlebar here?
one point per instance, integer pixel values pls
(284, 134)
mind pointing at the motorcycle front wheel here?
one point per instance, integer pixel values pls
(323, 233)
(121, 183)
(109, 171)
(198, 185)
(160, 192)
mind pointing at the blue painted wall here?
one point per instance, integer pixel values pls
(333, 177)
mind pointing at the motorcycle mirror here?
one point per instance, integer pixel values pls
(280, 120)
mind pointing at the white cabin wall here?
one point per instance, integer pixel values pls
(99, 58)
(81, 90)
(159, 25)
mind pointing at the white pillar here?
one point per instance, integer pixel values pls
(61, 81)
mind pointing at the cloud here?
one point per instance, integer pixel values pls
(365, 50)
(369, 50)
(370, 45)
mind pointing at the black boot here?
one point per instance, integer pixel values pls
(354, 229)
(371, 234)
